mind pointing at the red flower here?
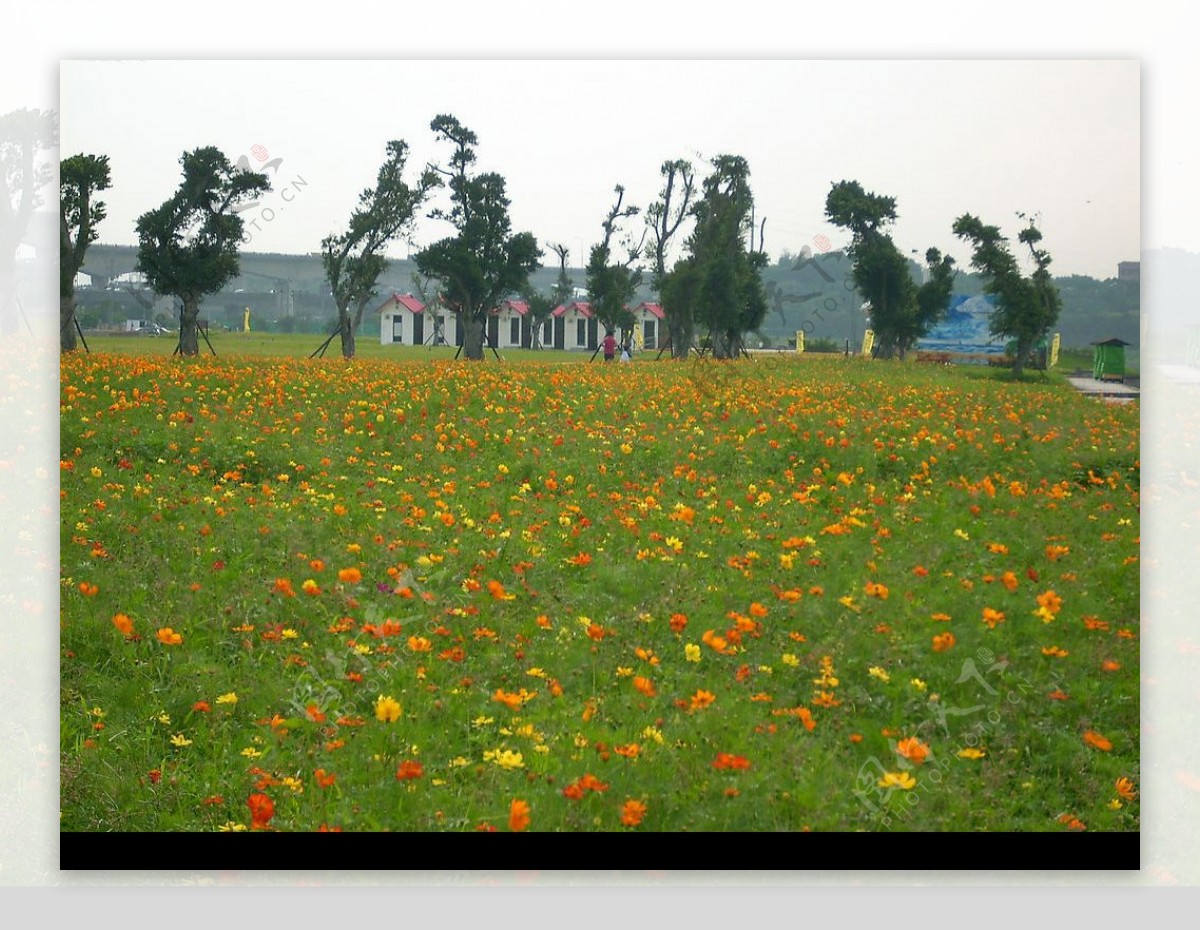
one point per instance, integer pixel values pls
(726, 760)
(262, 809)
(409, 769)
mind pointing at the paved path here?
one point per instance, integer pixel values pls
(1108, 390)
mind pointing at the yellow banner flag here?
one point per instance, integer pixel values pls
(1054, 345)
(868, 341)
(799, 340)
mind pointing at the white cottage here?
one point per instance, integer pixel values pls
(401, 320)
(648, 326)
(405, 320)
(575, 326)
(508, 327)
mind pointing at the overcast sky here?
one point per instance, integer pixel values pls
(1057, 139)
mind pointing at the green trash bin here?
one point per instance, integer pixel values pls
(1108, 360)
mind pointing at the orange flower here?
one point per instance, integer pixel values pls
(1054, 553)
(1058, 695)
(644, 685)
(310, 587)
(518, 815)
(941, 617)
(874, 589)
(590, 782)
(349, 576)
(1092, 738)
(1125, 789)
(992, 617)
(497, 591)
(87, 589)
(757, 610)
(1109, 665)
(702, 699)
(913, 749)
(124, 624)
(409, 770)
(169, 637)
(630, 751)
(678, 622)
(202, 707)
(262, 809)
(324, 779)
(943, 641)
(1009, 580)
(632, 813)
(574, 791)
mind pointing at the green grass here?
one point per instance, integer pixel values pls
(562, 561)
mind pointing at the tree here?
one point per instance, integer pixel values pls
(485, 261)
(612, 284)
(900, 312)
(1026, 307)
(80, 178)
(664, 217)
(353, 259)
(722, 277)
(24, 136)
(188, 247)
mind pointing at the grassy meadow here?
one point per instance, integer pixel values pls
(411, 594)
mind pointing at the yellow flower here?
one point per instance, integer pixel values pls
(230, 698)
(961, 534)
(164, 719)
(387, 709)
(505, 758)
(789, 659)
(180, 740)
(251, 753)
(897, 780)
(918, 684)
(876, 672)
(691, 652)
(232, 826)
(971, 753)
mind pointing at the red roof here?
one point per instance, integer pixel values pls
(517, 306)
(583, 308)
(407, 301)
(651, 308)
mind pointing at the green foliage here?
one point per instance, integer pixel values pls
(80, 178)
(188, 246)
(664, 219)
(900, 312)
(612, 284)
(485, 261)
(353, 259)
(720, 283)
(1026, 307)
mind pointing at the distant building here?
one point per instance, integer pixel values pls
(1129, 271)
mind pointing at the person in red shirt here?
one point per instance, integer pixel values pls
(610, 347)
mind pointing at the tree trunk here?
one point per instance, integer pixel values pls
(347, 330)
(189, 331)
(680, 334)
(473, 339)
(8, 288)
(66, 322)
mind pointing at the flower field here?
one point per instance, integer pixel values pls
(781, 594)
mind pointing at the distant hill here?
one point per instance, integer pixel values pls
(813, 293)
